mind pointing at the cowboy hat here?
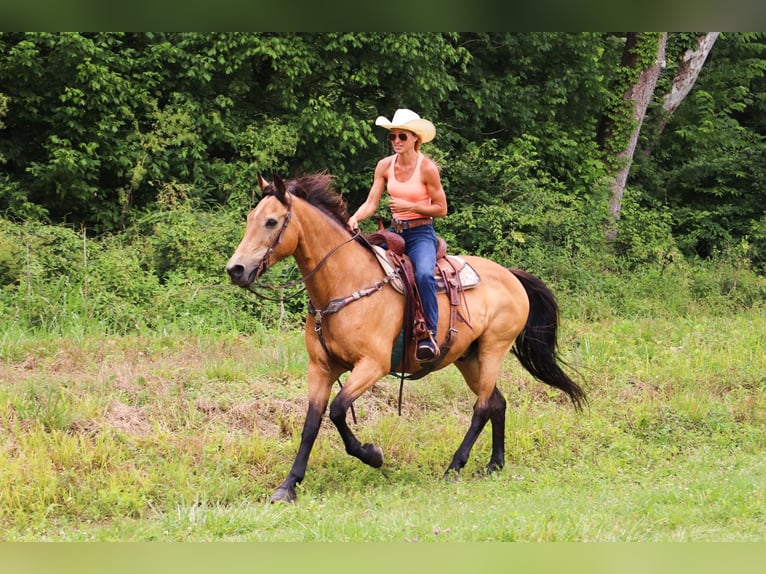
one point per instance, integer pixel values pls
(405, 119)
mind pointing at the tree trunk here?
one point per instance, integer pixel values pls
(638, 96)
(688, 71)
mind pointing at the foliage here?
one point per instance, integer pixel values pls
(167, 269)
(103, 129)
(516, 206)
(708, 166)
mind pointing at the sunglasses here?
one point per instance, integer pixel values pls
(401, 136)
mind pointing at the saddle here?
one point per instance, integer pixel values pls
(453, 276)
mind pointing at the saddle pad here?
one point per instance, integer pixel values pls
(468, 276)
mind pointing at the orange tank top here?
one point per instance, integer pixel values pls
(413, 189)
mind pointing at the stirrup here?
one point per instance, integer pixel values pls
(427, 351)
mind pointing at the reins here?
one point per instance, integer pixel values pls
(314, 270)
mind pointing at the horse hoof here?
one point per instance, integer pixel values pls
(451, 475)
(284, 495)
(373, 455)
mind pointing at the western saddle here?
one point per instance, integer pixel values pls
(453, 276)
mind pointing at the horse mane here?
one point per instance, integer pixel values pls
(317, 190)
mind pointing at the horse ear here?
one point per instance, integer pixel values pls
(279, 189)
(262, 182)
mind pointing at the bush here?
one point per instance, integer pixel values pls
(645, 234)
(509, 208)
(181, 236)
(167, 273)
(727, 280)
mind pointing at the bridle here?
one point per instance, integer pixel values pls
(263, 265)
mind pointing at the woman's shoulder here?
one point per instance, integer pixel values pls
(385, 163)
(428, 165)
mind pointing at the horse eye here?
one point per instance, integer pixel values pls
(271, 222)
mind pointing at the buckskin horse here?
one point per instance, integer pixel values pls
(510, 311)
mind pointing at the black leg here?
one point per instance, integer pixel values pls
(497, 417)
(479, 419)
(286, 491)
(367, 453)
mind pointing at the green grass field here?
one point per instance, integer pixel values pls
(183, 438)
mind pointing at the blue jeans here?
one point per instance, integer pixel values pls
(420, 247)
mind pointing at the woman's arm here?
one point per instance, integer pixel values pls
(373, 197)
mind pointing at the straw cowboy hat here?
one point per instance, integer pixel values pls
(405, 119)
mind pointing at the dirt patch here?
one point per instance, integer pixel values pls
(128, 419)
(637, 390)
(270, 418)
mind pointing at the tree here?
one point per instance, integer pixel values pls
(103, 127)
(708, 166)
(688, 71)
(3, 111)
(643, 59)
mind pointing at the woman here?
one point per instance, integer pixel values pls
(416, 198)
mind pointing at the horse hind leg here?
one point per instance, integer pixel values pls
(497, 418)
(489, 406)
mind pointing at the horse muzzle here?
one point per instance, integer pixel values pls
(244, 275)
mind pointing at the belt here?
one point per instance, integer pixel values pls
(400, 225)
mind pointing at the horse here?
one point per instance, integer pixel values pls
(510, 311)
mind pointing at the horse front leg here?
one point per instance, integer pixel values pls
(362, 378)
(286, 491)
(320, 384)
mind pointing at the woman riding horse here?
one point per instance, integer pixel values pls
(417, 197)
(351, 295)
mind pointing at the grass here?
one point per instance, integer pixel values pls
(180, 437)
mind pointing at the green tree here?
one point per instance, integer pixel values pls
(103, 128)
(707, 167)
(642, 60)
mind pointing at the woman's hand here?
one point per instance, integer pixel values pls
(398, 206)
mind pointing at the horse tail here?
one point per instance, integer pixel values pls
(536, 347)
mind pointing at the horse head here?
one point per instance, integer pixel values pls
(267, 237)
